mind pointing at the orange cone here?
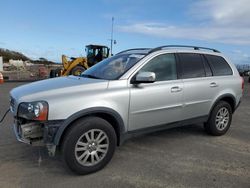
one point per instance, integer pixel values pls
(1, 78)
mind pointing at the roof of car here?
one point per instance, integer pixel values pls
(151, 50)
(136, 50)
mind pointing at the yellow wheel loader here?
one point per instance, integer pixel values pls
(75, 66)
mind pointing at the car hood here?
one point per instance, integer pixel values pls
(42, 90)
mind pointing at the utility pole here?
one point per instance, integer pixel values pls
(112, 40)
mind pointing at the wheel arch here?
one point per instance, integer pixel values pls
(225, 97)
(107, 114)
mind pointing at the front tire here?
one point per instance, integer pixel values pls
(89, 145)
(220, 119)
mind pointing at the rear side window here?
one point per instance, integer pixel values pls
(191, 65)
(219, 65)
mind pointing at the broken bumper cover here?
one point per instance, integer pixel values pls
(38, 134)
(18, 136)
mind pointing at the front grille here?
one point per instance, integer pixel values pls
(12, 104)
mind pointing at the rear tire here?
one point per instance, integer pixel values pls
(55, 73)
(52, 73)
(89, 145)
(219, 120)
(58, 72)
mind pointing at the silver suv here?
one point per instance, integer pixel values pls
(136, 91)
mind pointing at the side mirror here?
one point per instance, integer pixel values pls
(144, 77)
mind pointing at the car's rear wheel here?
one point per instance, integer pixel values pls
(220, 119)
(89, 145)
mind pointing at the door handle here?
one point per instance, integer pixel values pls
(213, 84)
(176, 89)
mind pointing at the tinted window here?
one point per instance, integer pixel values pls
(164, 67)
(191, 65)
(219, 65)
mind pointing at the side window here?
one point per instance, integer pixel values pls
(191, 65)
(219, 65)
(164, 67)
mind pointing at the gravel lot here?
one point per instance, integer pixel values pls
(180, 157)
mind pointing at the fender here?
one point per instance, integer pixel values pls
(85, 112)
(223, 96)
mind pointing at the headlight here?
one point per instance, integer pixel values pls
(33, 110)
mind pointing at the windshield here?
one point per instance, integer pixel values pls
(112, 68)
(90, 51)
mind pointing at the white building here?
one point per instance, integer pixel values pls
(16, 63)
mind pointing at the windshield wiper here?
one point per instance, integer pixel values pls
(89, 76)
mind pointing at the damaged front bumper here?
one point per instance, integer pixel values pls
(37, 133)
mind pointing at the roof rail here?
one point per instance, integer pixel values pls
(182, 46)
(134, 49)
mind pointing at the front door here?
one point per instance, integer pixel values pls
(160, 102)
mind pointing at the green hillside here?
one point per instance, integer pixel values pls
(8, 54)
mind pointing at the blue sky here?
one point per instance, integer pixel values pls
(50, 28)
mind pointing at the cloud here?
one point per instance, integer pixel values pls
(218, 21)
(240, 57)
(214, 34)
(222, 12)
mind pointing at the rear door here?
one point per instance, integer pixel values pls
(200, 87)
(160, 102)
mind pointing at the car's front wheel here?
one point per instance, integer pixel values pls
(220, 119)
(89, 145)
